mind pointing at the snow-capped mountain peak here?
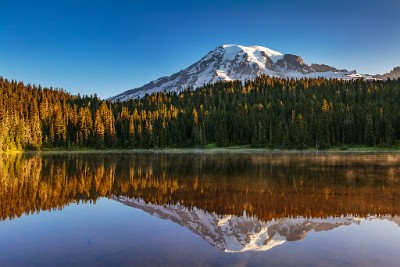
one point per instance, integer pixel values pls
(254, 53)
(237, 62)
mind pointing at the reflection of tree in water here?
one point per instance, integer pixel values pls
(265, 186)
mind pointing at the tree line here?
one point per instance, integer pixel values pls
(266, 112)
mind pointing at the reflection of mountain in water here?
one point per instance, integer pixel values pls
(266, 186)
(230, 233)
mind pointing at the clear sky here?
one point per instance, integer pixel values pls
(107, 47)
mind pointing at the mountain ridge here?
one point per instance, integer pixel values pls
(231, 62)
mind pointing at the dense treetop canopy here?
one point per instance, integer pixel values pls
(266, 112)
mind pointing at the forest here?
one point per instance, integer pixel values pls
(267, 112)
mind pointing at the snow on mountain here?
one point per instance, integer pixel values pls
(230, 233)
(237, 62)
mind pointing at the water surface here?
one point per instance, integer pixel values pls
(123, 209)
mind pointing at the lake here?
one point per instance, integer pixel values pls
(200, 209)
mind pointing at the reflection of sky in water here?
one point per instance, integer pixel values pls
(111, 234)
(191, 195)
(107, 233)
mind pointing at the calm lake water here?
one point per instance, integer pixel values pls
(196, 209)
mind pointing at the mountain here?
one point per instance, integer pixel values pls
(230, 233)
(394, 74)
(237, 62)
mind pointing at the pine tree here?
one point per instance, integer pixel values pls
(99, 131)
(369, 131)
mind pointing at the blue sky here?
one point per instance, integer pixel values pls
(106, 48)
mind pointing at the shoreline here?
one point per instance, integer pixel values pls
(233, 150)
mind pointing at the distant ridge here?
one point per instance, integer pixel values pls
(394, 74)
